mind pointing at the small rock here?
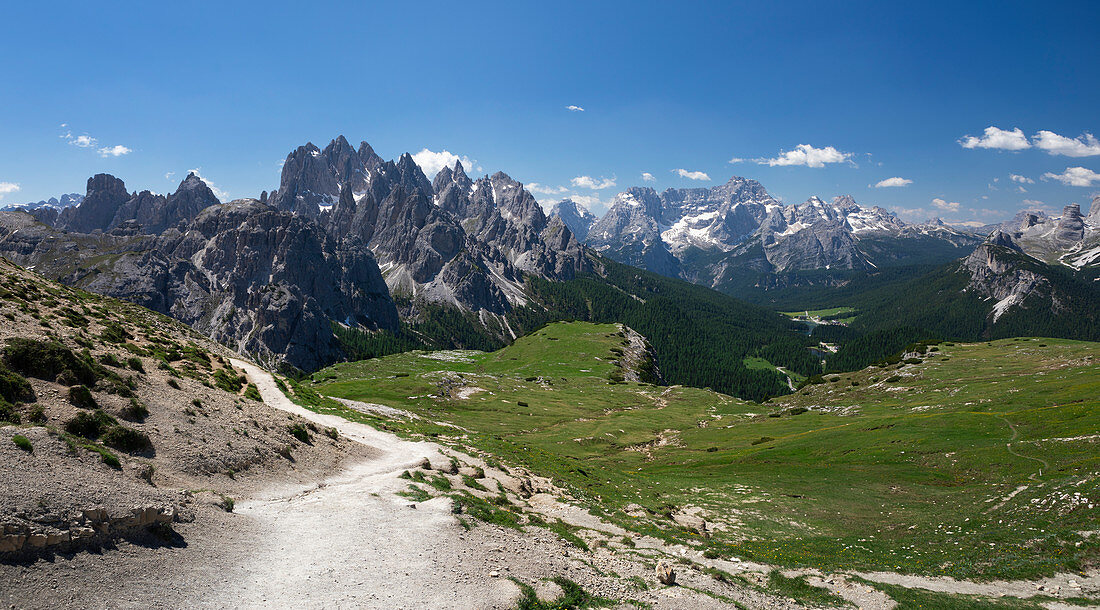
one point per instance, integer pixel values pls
(665, 573)
(494, 574)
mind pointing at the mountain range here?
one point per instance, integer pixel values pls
(714, 236)
(353, 249)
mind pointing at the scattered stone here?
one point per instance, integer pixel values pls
(665, 573)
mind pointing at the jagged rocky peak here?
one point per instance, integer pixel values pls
(1000, 238)
(1094, 212)
(1071, 226)
(105, 195)
(448, 178)
(312, 178)
(575, 216)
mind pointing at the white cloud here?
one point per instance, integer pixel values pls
(543, 189)
(83, 141)
(691, 175)
(648, 177)
(114, 151)
(737, 160)
(892, 182)
(1021, 189)
(1000, 139)
(1085, 145)
(87, 141)
(572, 108)
(807, 155)
(431, 162)
(6, 188)
(910, 214)
(592, 202)
(589, 182)
(946, 206)
(1075, 176)
(220, 194)
(1034, 205)
(1021, 179)
(168, 175)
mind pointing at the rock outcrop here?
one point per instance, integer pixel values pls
(105, 195)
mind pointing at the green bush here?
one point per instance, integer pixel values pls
(23, 443)
(299, 432)
(126, 439)
(14, 387)
(135, 411)
(8, 413)
(89, 425)
(172, 383)
(50, 361)
(37, 414)
(228, 380)
(114, 332)
(762, 440)
(135, 363)
(253, 393)
(109, 359)
(81, 396)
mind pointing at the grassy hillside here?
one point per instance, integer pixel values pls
(978, 461)
(701, 337)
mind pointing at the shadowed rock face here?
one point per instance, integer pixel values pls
(146, 212)
(266, 282)
(105, 195)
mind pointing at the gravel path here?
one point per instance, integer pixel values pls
(350, 542)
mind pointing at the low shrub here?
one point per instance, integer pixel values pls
(80, 396)
(8, 413)
(49, 360)
(126, 439)
(228, 380)
(109, 359)
(14, 387)
(135, 363)
(135, 411)
(253, 393)
(299, 432)
(23, 443)
(89, 425)
(762, 440)
(172, 383)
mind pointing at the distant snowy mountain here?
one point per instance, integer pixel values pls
(710, 235)
(57, 203)
(48, 209)
(575, 216)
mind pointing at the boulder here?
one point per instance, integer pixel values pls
(665, 574)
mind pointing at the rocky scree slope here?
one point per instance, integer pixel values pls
(110, 413)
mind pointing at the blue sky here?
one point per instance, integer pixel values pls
(875, 91)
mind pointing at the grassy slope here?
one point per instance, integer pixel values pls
(905, 475)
